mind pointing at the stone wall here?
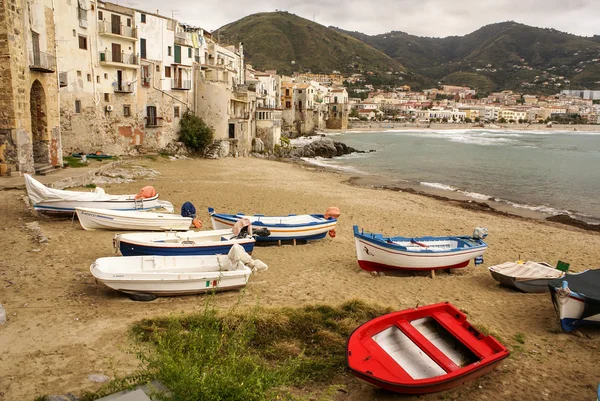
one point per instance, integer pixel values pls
(29, 124)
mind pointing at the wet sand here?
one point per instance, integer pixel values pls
(62, 326)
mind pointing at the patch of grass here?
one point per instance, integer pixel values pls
(486, 331)
(267, 354)
(151, 157)
(73, 162)
(91, 186)
(164, 155)
(520, 338)
(41, 398)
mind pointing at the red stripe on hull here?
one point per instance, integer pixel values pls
(428, 388)
(374, 266)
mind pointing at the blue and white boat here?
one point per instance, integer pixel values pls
(377, 252)
(576, 299)
(291, 227)
(171, 243)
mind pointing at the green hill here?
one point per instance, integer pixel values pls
(289, 43)
(509, 55)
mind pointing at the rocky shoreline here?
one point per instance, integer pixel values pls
(321, 147)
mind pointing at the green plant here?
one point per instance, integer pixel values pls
(91, 186)
(520, 338)
(71, 161)
(266, 354)
(194, 132)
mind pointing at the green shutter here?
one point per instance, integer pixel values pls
(178, 54)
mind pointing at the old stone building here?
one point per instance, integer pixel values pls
(30, 135)
(126, 77)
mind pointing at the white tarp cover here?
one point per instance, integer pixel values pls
(238, 257)
(38, 192)
(526, 271)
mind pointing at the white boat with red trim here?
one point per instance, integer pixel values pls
(291, 227)
(423, 350)
(377, 252)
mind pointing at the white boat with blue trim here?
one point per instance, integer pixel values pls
(376, 252)
(170, 243)
(52, 200)
(105, 219)
(576, 299)
(291, 227)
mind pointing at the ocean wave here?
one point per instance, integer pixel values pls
(328, 163)
(438, 186)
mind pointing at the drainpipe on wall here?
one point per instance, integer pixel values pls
(59, 154)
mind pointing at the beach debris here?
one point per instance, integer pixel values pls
(175, 149)
(98, 378)
(258, 145)
(2, 315)
(36, 231)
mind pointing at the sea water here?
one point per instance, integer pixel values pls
(553, 172)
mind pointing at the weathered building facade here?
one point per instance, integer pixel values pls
(30, 134)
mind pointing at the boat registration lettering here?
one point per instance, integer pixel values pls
(366, 250)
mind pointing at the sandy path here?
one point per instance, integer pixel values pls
(63, 327)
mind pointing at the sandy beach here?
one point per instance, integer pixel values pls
(62, 326)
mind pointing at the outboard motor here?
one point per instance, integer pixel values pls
(262, 232)
(480, 232)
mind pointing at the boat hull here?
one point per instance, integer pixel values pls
(168, 276)
(430, 388)
(279, 232)
(529, 286)
(570, 309)
(191, 244)
(423, 350)
(94, 219)
(68, 207)
(375, 257)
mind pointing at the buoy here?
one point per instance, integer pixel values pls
(332, 233)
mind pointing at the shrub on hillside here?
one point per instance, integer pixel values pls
(194, 132)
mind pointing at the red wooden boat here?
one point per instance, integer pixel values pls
(422, 350)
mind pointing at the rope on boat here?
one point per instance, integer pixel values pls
(563, 294)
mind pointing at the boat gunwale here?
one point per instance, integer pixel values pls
(235, 217)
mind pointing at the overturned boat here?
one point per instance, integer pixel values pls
(52, 200)
(281, 228)
(379, 252)
(211, 242)
(576, 299)
(526, 277)
(422, 350)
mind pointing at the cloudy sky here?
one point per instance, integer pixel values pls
(438, 18)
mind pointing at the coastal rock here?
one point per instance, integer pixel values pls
(218, 150)
(36, 231)
(323, 147)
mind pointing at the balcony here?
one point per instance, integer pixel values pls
(105, 28)
(43, 62)
(124, 88)
(181, 84)
(154, 122)
(181, 38)
(120, 60)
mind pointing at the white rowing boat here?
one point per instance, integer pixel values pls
(176, 275)
(102, 219)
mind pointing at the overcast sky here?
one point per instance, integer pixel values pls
(438, 18)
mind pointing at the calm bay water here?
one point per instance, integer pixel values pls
(552, 172)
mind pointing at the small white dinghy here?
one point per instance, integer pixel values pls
(526, 277)
(152, 276)
(101, 219)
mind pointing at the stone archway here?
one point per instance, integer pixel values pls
(39, 124)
